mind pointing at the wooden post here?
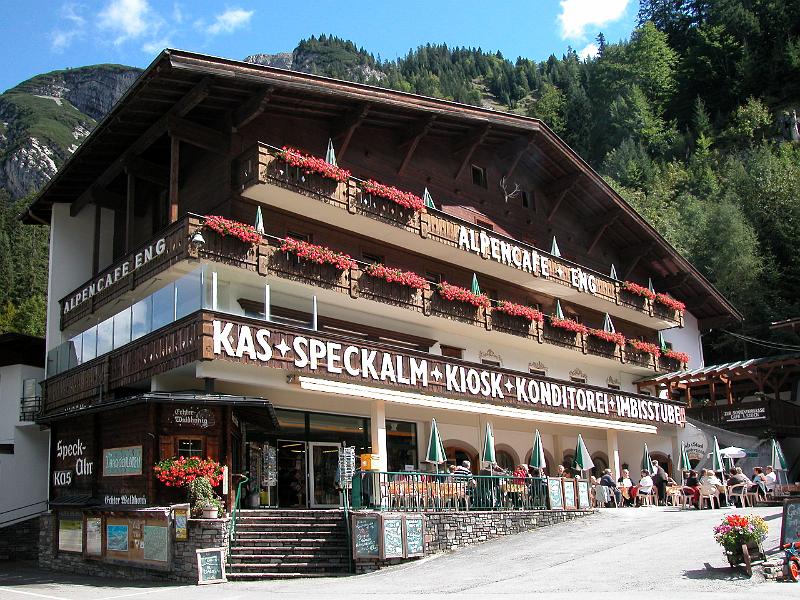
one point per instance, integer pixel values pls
(174, 170)
(150, 443)
(129, 218)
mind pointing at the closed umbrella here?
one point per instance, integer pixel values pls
(330, 155)
(428, 199)
(476, 288)
(683, 461)
(537, 454)
(647, 464)
(554, 249)
(435, 454)
(716, 458)
(259, 221)
(778, 459)
(582, 461)
(488, 455)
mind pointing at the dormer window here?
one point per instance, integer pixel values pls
(479, 176)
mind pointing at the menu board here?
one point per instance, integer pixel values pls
(790, 524)
(583, 494)
(392, 532)
(70, 534)
(181, 521)
(154, 542)
(211, 565)
(94, 536)
(569, 494)
(554, 493)
(366, 539)
(415, 535)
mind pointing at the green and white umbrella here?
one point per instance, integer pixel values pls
(650, 285)
(488, 455)
(716, 458)
(428, 199)
(662, 343)
(613, 273)
(435, 454)
(259, 221)
(608, 324)
(778, 459)
(559, 310)
(554, 250)
(647, 463)
(330, 155)
(582, 461)
(538, 459)
(683, 461)
(476, 288)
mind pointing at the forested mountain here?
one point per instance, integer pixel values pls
(691, 119)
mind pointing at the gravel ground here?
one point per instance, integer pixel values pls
(650, 552)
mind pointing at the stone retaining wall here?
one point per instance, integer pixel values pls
(203, 533)
(453, 530)
(20, 541)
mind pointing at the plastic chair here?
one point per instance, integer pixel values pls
(738, 491)
(710, 493)
(648, 498)
(605, 496)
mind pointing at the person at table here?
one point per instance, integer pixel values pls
(564, 472)
(463, 471)
(608, 481)
(691, 487)
(645, 484)
(660, 479)
(760, 481)
(709, 479)
(626, 487)
(771, 477)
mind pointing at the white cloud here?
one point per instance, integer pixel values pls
(229, 21)
(577, 15)
(74, 28)
(590, 51)
(129, 19)
(156, 45)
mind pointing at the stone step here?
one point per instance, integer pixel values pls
(309, 566)
(297, 518)
(291, 535)
(268, 575)
(288, 526)
(250, 541)
(290, 513)
(277, 548)
(314, 559)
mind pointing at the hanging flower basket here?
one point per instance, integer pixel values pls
(614, 338)
(311, 164)
(518, 310)
(453, 293)
(670, 302)
(681, 357)
(639, 290)
(230, 228)
(180, 471)
(318, 254)
(569, 325)
(406, 278)
(646, 347)
(404, 199)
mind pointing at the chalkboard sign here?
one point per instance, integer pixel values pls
(392, 533)
(554, 493)
(569, 494)
(790, 527)
(583, 494)
(415, 535)
(366, 538)
(211, 565)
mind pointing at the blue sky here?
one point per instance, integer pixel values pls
(43, 35)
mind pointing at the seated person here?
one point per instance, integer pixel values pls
(563, 471)
(626, 487)
(771, 477)
(712, 482)
(463, 471)
(645, 484)
(760, 482)
(691, 487)
(608, 481)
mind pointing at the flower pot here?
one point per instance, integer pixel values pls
(210, 512)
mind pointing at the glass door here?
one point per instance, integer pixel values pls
(292, 474)
(323, 462)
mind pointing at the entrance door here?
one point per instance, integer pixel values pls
(292, 474)
(323, 462)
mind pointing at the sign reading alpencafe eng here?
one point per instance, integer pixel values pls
(431, 375)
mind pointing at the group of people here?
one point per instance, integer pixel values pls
(652, 482)
(762, 483)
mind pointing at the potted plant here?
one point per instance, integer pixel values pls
(198, 476)
(739, 534)
(204, 501)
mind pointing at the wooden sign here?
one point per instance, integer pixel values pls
(211, 566)
(122, 462)
(366, 536)
(415, 535)
(392, 536)
(790, 524)
(584, 503)
(569, 494)
(555, 493)
(181, 523)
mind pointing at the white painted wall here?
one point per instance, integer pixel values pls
(687, 339)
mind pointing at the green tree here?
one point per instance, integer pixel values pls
(550, 107)
(749, 122)
(652, 64)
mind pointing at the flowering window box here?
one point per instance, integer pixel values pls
(391, 193)
(670, 303)
(638, 290)
(518, 310)
(676, 355)
(453, 293)
(613, 338)
(568, 325)
(404, 278)
(318, 254)
(234, 229)
(180, 471)
(646, 347)
(308, 164)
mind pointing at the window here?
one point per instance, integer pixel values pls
(296, 235)
(373, 258)
(484, 224)
(577, 378)
(189, 447)
(613, 386)
(452, 351)
(401, 445)
(539, 372)
(479, 176)
(525, 201)
(434, 278)
(490, 362)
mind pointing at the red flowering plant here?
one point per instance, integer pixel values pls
(518, 310)
(311, 164)
(318, 254)
(681, 357)
(647, 347)
(180, 471)
(453, 293)
(230, 228)
(639, 290)
(406, 278)
(670, 302)
(738, 530)
(404, 199)
(608, 336)
(569, 325)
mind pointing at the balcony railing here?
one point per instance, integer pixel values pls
(777, 415)
(261, 165)
(29, 408)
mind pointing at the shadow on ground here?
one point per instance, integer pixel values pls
(718, 573)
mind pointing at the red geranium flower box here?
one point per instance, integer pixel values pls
(518, 310)
(670, 302)
(406, 278)
(180, 471)
(616, 338)
(404, 199)
(647, 347)
(639, 290)
(681, 357)
(453, 293)
(318, 254)
(230, 228)
(311, 164)
(569, 325)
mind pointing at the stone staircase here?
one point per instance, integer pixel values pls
(288, 544)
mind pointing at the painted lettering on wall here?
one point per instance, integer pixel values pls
(120, 272)
(65, 452)
(524, 259)
(367, 364)
(126, 499)
(194, 417)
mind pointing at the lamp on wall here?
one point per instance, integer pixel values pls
(197, 240)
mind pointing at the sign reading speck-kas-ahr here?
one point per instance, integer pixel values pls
(112, 277)
(428, 375)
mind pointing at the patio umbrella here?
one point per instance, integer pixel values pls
(778, 459)
(428, 199)
(662, 343)
(488, 446)
(259, 221)
(733, 452)
(716, 458)
(647, 464)
(330, 155)
(559, 310)
(435, 454)
(683, 461)
(650, 285)
(554, 250)
(582, 461)
(537, 454)
(608, 325)
(613, 273)
(476, 288)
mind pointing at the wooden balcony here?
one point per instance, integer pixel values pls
(769, 414)
(431, 231)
